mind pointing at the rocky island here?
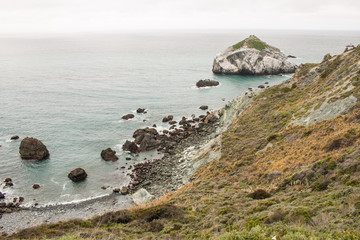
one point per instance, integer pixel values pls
(252, 57)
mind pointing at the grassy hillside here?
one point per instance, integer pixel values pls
(290, 168)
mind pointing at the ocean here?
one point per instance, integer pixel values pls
(71, 90)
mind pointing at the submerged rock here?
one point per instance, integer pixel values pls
(36, 186)
(109, 155)
(252, 57)
(77, 175)
(32, 148)
(7, 180)
(9, 184)
(207, 83)
(203, 107)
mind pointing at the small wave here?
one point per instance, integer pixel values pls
(75, 201)
(52, 180)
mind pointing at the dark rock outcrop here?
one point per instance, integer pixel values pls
(2, 196)
(207, 83)
(109, 155)
(130, 146)
(77, 175)
(326, 57)
(36, 186)
(203, 107)
(146, 138)
(32, 148)
(128, 116)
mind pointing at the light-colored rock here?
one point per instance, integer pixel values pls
(142, 196)
(327, 111)
(247, 60)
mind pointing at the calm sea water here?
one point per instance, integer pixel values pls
(70, 91)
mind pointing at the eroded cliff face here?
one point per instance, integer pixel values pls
(252, 57)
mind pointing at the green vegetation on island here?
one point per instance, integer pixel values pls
(253, 42)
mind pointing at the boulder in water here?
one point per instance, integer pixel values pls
(14, 137)
(109, 155)
(141, 110)
(203, 107)
(207, 83)
(130, 146)
(128, 116)
(77, 175)
(36, 186)
(168, 118)
(32, 148)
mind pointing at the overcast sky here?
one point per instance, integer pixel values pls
(127, 15)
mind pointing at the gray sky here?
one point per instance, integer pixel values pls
(127, 15)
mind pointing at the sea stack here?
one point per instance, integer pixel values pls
(33, 149)
(252, 57)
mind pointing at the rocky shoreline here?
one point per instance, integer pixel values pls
(191, 147)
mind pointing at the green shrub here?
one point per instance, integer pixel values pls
(302, 215)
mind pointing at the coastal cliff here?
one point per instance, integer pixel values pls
(252, 57)
(285, 165)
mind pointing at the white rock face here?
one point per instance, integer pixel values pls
(250, 61)
(142, 196)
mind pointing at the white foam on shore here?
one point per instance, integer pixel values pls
(75, 201)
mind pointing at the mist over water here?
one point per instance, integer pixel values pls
(70, 91)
